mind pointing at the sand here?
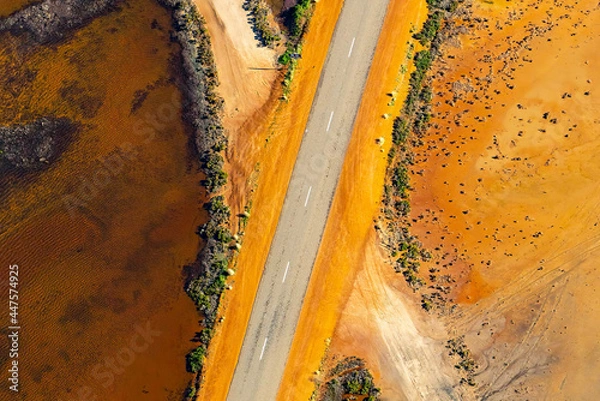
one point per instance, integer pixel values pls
(519, 199)
(246, 71)
(515, 203)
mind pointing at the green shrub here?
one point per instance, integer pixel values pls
(400, 131)
(195, 359)
(298, 20)
(213, 168)
(430, 28)
(259, 11)
(426, 94)
(423, 60)
(217, 208)
(353, 386)
(190, 392)
(285, 58)
(402, 207)
(400, 180)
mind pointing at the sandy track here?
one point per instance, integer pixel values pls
(247, 72)
(407, 349)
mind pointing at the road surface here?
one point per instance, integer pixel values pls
(287, 271)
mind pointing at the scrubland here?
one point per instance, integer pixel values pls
(502, 194)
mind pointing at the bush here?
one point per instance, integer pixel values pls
(218, 210)
(426, 94)
(400, 180)
(297, 19)
(195, 359)
(423, 60)
(190, 392)
(265, 33)
(430, 28)
(402, 207)
(400, 131)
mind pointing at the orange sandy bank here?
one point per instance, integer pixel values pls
(505, 198)
(508, 195)
(350, 224)
(275, 160)
(246, 71)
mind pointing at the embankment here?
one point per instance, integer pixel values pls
(271, 148)
(345, 247)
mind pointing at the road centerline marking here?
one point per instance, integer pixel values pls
(286, 272)
(262, 353)
(330, 120)
(351, 47)
(307, 196)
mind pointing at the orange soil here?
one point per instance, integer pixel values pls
(515, 194)
(275, 160)
(87, 281)
(520, 191)
(349, 229)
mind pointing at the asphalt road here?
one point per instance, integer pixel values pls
(294, 248)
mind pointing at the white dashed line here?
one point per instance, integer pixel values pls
(262, 353)
(351, 47)
(307, 196)
(286, 271)
(329, 123)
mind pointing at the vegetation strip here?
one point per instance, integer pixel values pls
(297, 20)
(409, 127)
(408, 131)
(202, 108)
(465, 362)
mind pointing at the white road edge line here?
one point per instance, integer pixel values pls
(262, 353)
(351, 47)
(307, 196)
(329, 123)
(286, 271)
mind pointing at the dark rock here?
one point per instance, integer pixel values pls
(35, 145)
(51, 20)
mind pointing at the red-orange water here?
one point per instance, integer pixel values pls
(8, 7)
(102, 312)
